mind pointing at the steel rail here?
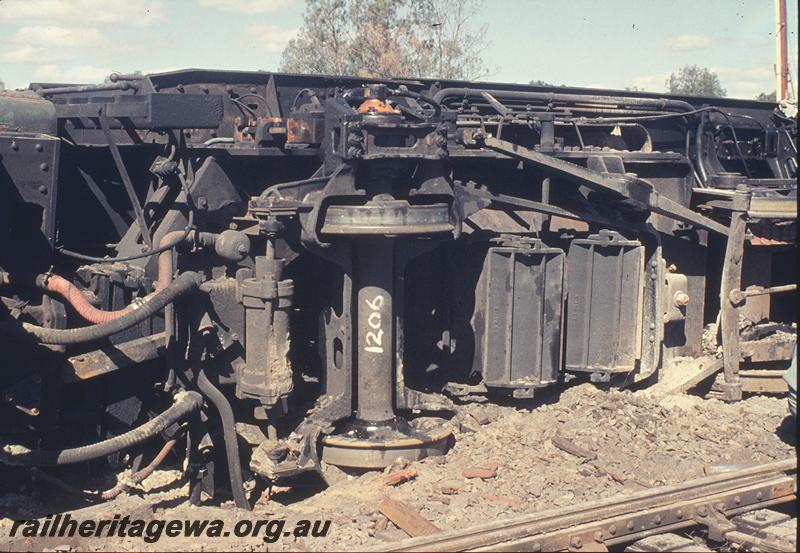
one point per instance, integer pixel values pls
(624, 518)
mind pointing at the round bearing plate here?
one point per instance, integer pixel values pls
(376, 447)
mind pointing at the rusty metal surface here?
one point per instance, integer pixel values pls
(113, 358)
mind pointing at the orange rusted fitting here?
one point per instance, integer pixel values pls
(376, 106)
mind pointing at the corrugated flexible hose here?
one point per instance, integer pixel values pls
(184, 405)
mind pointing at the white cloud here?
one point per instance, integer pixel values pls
(39, 43)
(76, 74)
(267, 37)
(739, 82)
(684, 43)
(137, 13)
(650, 83)
(51, 36)
(747, 81)
(247, 6)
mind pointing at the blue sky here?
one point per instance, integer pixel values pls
(610, 43)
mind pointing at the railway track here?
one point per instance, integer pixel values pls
(710, 502)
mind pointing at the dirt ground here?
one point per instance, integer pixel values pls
(631, 441)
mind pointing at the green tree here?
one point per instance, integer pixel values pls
(389, 38)
(692, 80)
(539, 82)
(767, 96)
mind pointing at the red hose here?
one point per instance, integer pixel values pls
(85, 309)
(78, 301)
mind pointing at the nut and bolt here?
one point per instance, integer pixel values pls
(681, 299)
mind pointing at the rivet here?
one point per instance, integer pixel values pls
(536, 547)
(44, 167)
(657, 520)
(612, 529)
(702, 511)
(654, 264)
(42, 189)
(759, 496)
(576, 542)
(679, 514)
(39, 148)
(14, 145)
(720, 506)
(629, 525)
(737, 499)
(651, 338)
(652, 326)
(180, 88)
(253, 89)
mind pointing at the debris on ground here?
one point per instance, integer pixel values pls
(577, 445)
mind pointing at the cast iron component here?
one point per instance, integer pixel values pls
(604, 306)
(519, 315)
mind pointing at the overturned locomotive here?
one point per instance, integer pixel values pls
(275, 271)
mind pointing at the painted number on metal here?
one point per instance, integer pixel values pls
(375, 336)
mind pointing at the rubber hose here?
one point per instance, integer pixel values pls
(185, 404)
(185, 283)
(78, 301)
(140, 475)
(220, 402)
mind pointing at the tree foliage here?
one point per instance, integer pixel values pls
(767, 96)
(692, 80)
(389, 38)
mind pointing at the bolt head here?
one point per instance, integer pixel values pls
(576, 542)
(39, 148)
(612, 529)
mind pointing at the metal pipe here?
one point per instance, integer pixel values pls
(553, 97)
(122, 85)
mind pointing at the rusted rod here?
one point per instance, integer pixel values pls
(771, 290)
